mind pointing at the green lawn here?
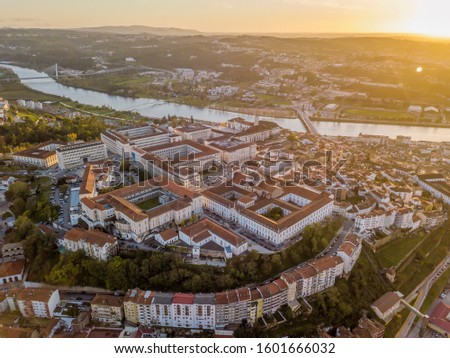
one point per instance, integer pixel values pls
(418, 270)
(391, 253)
(379, 113)
(149, 204)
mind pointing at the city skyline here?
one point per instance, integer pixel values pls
(286, 16)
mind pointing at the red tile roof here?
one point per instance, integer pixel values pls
(183, 299)
(440, 317)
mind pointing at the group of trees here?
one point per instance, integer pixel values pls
(340, 305)
(33, 131)
(31, 201)
(276, 213)
(167, 271)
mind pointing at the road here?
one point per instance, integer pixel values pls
(422, 291)
(337, 241)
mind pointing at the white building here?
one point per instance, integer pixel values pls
(404, 218)
(75, 155)
(205, 231)
(179, 310)
(349, 251)
(239, 124)
(120, 141)
(300, 206)
(136, 211)
(181, 161)
(11, 271)
(436, 185)
(167, 237)
(94, 243)
(233, 150)
(260, 132)
(377, 219)
(194, 132)
(314, 276)
(37, 302)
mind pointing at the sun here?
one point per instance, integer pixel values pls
(419, 69)
(430, 17)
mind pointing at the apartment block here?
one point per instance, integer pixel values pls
(107, 309)
(94, 243)
(37, 302)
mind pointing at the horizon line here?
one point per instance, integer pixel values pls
(248, 33)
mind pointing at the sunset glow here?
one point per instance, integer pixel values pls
(424, 17)
(431, 17)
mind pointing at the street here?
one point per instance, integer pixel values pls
(422, 291)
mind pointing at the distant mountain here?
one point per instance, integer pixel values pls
(137, 30)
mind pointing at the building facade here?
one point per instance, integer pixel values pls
(75, 155)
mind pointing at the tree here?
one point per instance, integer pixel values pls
(18, 190)
(292, 137)
(71, 137)
(116, 274)
(23, 228)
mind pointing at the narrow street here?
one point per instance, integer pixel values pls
(422, 291)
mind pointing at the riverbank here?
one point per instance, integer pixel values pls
(267, 112)
(376, 121)
(186, 100)
(13, 89)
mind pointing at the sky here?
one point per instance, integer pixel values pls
(428, 17)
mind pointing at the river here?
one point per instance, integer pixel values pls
(41, 82)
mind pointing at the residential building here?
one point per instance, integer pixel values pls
(37, 302)
(78, 154)
(349, 251)
(404, 218)
(11, 271)
(377, 219)
(313, 277)
(94, 243)
(232, 306)
(387, 306)
(13, 251)
(162, 309)
(137, 307)
(274, 295)
(107, 309)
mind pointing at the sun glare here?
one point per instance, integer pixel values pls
(419, 69)
(431, 17)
